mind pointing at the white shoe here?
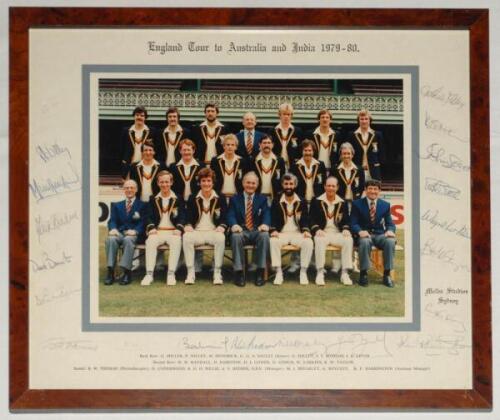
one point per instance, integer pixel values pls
(218, 277)
(147, 280)
(278, 280)
(190, 277)
(320, 278)
(171, 279)
(303, 277)
(345, 279)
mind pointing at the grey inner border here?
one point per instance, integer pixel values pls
(414, 325)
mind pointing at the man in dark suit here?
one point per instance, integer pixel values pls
(125, 225)
(249, 137)
(286, 137)
(167, 142)
(371, 220)
(249, 218)
(367, 144)
(208, 135)
(132, 139)
(145, 171)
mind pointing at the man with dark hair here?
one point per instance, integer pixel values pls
(208, 135)
(269, 169)
(325, 139)
(311, 173)
(285, 136)
(168, 140)
(165, 223)
(290, 226)
(371, 221)
(249, 218)
(185, 171)
(132, 139)
(125, 225)
(249, 137)
(330, 226)
(145, 171)
(206, 224)
(368, 146)
(229, 168)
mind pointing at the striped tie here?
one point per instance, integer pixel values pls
(129, 205)
(372, 212)
(248, 214)
(249, 143)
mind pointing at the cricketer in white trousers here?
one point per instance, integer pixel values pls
(336, 239)
(161, 237)
(202, 237)
(291, 238)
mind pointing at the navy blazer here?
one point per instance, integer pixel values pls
(374, 153)
(122, 221)
(236, 211)
(161, 144)
(199, 134)
(242, 146)
(127, 142)
(136, 173)
(194, 208)
(176, 212)
(360, 217)
(294, 138)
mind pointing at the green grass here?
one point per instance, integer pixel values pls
(289, 300)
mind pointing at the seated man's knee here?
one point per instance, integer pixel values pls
(365, 242)
(236, 237)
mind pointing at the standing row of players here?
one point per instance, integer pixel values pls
(184, 152)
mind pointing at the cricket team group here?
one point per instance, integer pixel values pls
(186, 187)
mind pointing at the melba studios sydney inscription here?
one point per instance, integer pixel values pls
(163, 48)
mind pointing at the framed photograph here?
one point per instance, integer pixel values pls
(235, 210)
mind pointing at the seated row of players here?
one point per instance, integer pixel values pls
(230, 168)
(250, 220)
(208, 136)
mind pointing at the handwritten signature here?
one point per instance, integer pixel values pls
(436, 153)
(54, 222)
(55, 186)
(436, 125)
(432, 217)
(60, 343)
(376, 345)
(439, 94)
(49, 152)
(440, 187)
(59, 294)
(49, 263)
(442, 254)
